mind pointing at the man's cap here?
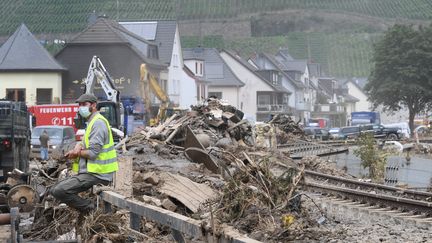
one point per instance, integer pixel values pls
(86, 98)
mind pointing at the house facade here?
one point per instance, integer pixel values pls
(28, 73)
(121, 52)
(271, 68)
(181, 88)
(355, 89)
(259, 98)
(207, 65)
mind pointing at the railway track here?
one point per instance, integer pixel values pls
(301, 148)
(377, 195)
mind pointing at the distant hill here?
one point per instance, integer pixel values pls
(337, 33)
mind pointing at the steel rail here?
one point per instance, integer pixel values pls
(368, 186)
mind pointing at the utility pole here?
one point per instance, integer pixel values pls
(117, 18)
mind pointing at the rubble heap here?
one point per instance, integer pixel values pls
(286, 128)
(215, 124)
(209, 165)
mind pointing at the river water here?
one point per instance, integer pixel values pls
(415, 172)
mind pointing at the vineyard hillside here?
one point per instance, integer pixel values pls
(337, 33)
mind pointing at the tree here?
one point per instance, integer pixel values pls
(402, 72)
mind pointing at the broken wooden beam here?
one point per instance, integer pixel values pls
(181, 223)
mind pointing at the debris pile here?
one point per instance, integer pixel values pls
(257, 202)
(214, 124)
(287, 128)
(101, 227)
(51, 223)
(209, 165)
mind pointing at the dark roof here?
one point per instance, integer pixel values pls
(105, 31)
(289, 63)
(325, 84)
(297, 65)
(160, 32)
(285, 54)
(350, 98)
(359, 82)
(253, 70)
(215, 69)
(280, 67)
(23, 52)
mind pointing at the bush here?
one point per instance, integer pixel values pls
(371, 157)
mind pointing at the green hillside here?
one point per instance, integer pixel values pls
(52, 16)
(341, 55)
(345, 53)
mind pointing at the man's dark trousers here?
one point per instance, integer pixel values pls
(67, 191)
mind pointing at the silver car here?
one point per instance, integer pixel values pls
(61, 139)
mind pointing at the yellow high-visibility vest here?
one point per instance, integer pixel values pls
(106, 161)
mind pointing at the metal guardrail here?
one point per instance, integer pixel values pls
(300, 148)
(178, 223)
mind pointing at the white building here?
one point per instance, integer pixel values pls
(207, 65)
(179, 85)
(259, 98)
(28, 72)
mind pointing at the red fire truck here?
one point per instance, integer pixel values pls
(53, 114)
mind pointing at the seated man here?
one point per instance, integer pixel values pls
(95, 158)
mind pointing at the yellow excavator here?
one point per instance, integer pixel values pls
(150, 84)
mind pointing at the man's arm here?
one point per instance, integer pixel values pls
(97, 138)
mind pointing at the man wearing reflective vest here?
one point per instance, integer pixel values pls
(95, 158)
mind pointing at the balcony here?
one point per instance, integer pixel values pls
(303, 106)
(329, 108)
(273, 108)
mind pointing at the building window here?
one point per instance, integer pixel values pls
(275, 78)
(15, 94)
(152, 52)
(215, 95)
(196, 67)
(201, 68)
(264, 100)
(43, 96)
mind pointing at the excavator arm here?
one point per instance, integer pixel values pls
(97, 69)
(149, 82)
(112, 108)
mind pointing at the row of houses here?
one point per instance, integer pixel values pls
(261, 86)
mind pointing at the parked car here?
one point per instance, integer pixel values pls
(381, 131)
(317, 133)
(62, 139)
(334, 132)
(349, 132)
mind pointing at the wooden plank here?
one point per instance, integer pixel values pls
(190, 193)
(181, 223)
(123, 177)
